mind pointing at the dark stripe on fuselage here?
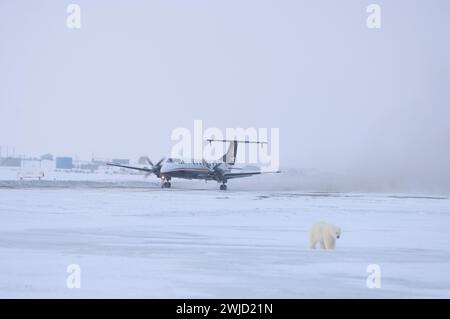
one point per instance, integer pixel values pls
(189, 173)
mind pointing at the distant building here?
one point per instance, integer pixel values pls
(11, 162)
(88, 166)
(29, 163)
(121, 161)
(47, 157)
(99, 162)
(47, 165)
(64, 163)
(143, 160)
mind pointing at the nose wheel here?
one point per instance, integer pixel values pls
(223, 187)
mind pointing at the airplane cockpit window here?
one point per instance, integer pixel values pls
(173, 160)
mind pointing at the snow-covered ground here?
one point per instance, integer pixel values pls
(136, 241)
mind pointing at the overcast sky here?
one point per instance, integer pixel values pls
(345, 97)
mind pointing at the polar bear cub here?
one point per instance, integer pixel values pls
(325, 234)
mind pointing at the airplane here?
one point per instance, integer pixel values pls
(220, 171)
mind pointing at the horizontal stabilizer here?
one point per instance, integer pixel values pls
(237, 141)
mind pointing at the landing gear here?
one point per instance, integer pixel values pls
(166, 185)
(165, 182)
(223, 187)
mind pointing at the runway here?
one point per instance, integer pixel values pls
(135, 241)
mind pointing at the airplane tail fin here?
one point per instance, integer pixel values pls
(230, 156)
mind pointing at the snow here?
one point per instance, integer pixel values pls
(133, 239)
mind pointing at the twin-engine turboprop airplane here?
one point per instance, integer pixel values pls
(220, 171)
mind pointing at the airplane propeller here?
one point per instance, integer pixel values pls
(154, 168)
(216, 170)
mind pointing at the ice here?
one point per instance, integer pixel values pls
(136, 241)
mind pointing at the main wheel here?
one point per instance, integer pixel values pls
(169, 185)
(223, 187)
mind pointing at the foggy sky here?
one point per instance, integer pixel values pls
(346, 98)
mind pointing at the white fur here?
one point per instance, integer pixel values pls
(325, 234)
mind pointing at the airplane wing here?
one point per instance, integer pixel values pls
(230, 175)
(148, 170)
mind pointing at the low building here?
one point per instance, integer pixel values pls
(88, 166)
(11, 162)
(47, 157)
(121, 161)
(64, 163)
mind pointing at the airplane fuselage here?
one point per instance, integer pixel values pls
(188, 171)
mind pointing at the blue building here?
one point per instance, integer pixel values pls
(64, 163)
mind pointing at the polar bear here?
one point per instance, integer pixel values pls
(325, 234)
